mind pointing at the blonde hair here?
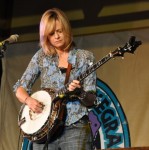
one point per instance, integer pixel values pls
(47, 26)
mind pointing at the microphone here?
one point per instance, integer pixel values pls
(11, 39)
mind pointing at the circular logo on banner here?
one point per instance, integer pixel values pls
(108, 121)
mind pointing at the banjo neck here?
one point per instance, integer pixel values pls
(129, 47)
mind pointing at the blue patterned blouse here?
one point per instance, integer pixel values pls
(51, 77)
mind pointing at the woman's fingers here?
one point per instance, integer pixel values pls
(73, 85)
(35, 105)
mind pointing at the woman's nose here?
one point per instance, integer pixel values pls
(56, 35)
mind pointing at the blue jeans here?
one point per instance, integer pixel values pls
(77, 136)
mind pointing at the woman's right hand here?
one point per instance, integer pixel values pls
(34, 105)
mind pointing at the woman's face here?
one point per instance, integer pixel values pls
(57, 38)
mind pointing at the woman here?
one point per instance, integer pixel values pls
(50, 63)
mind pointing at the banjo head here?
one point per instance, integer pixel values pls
(34, 122)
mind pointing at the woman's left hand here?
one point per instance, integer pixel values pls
(73, 85)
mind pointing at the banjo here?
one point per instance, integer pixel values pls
(50, 123)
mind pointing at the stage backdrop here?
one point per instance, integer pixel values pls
(128, 78)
